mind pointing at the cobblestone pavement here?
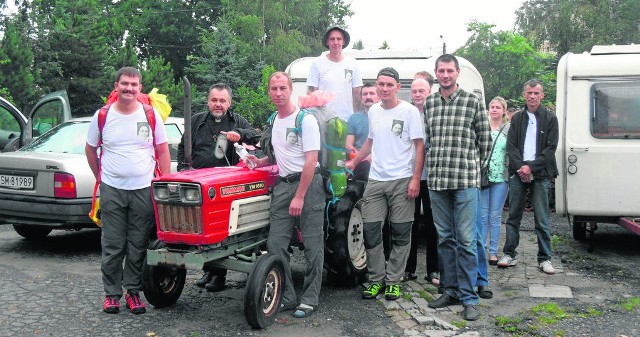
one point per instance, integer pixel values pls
(589, 298)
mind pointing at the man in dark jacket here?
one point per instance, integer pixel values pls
(212, 135)
(531, 147)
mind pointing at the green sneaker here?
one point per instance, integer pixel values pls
(372, 291)
(392, 292)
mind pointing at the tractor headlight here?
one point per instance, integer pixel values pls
(190, 194)
(161, 193)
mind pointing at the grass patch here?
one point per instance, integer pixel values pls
(508, 324)
(407, 296)
(630, 303)
(459, 324)
(549, 313)
(426, 295)
(555, 241)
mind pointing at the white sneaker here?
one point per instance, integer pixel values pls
(547, 268)
(507, 261)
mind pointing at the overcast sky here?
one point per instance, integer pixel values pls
(418, 24)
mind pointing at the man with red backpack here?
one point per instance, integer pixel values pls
(125, 166)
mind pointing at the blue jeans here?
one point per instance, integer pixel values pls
(492, 201)
(455, 214)
(481, 246)
(540, 202)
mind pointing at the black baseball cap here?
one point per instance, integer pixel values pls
(388, 71)
(346, 36)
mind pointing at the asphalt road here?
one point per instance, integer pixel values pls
(53, 287)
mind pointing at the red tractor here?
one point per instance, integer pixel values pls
(221, 216)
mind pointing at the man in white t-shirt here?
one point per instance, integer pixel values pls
(298, 196)
(336, 73)
(126, 167)
(396, 137)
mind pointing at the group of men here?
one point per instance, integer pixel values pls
(424, 155)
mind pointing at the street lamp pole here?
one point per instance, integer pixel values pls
(444, 45)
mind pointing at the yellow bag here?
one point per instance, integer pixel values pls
(95, 211)
(159, 102)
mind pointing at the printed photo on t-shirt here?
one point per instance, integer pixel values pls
(144, 131)
(348, 75)
(292, 137)
(397, 126)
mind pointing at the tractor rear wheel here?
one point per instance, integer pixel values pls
(345, 255)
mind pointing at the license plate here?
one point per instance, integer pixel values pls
(16, 182)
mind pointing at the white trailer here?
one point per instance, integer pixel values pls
(407, 63)
(598, 155)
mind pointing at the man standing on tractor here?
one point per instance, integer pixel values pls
(298, 197)
(211, 136)
(396, 137)
(125, 167)
(336, 73)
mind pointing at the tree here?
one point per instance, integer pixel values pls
(159, 74)
(385, 45)
(255, 104)
(219, 62)
(506, 61)
(576, 25)
(16, 61)
(358, 45)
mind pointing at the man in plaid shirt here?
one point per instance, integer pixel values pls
(458, 129)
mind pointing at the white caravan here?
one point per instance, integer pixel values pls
(598, 155)
(407, 63)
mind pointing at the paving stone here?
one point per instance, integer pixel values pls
(469, 334)
(425, 320)
(411, 332)
(407, 324)
(444, 324)
(391, 305)
(406, 304)
(420, 302)
(551, 291)
(438, 333)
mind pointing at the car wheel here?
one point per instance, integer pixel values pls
(32, 232)
(265, 287)
(162, 286)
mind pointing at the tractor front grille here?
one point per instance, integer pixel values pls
(180, 219)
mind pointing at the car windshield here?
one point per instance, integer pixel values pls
(69, 137)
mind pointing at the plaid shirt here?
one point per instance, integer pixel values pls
(460, 136)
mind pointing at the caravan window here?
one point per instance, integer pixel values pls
(616, 110)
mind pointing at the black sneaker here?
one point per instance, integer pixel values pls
(470, 312)
(408, 276)
(206, 278)
(217, 284)
(444, 301)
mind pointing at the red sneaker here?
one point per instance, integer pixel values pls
(111, 305)
(135, 303)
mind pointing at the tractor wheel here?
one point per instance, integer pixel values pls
(265, 287)
(32, 232)
(579, 230)
(345, 255)
(162, 286)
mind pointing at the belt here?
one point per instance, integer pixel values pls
(294, 177)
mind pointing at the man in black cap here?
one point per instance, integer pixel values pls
(336, 73)
(396, 145)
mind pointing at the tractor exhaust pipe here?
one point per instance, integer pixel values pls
(187, 124)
